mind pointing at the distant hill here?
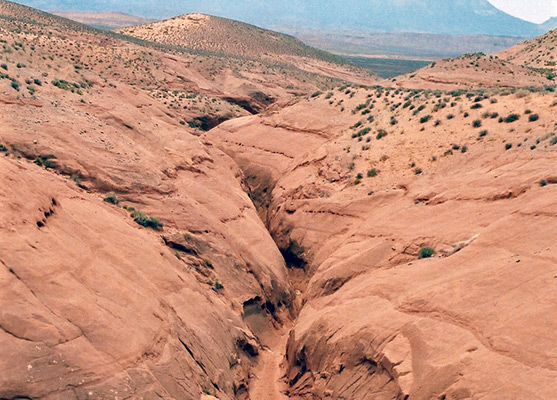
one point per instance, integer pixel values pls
(457, 17)
(105, 20)
(540, 52)
(221, 35)
(473, 70)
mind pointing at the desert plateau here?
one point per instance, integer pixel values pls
(199, 208)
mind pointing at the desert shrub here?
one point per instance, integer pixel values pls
(145, 220)
(15, 85)
(512, 118)
(508, 146)
(381, 134)
(438, 122)
(553, 141)
(477, 123)
(217, 286)
(543, 183)
(476, 106)
(533, 117)
(426, 252)
(420, 108)
(364, 132)
(424, 119)
(483, 133)
(45, 160)
(463, 149)
(418, 171)
(111, 198)
(372, 172)
(450, 116)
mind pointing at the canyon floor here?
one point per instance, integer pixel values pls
(189, 223)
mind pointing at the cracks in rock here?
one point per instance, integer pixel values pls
(314, 132)
(258, 148)
(199, 363)
(3, 329)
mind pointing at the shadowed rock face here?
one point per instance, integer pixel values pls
(94, 304)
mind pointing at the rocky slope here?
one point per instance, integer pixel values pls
(134, 265)
(473, 71)
(355, 197)
(278, 255)
(536, 53)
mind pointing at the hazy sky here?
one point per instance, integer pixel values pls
(530, 10)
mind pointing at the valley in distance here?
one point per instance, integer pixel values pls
(200, 208)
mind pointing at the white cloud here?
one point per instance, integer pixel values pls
(530, 10)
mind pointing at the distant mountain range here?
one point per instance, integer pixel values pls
(456, 17)
(550, 24)
(105, 20)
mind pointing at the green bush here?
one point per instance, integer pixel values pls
(381, 134)
(512, 118)
(426, 252)
(145, 220)
(364, 131)
(424, 119)
(45, 160)
(372, 172)
(111, 198)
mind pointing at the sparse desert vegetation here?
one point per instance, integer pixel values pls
(360, 237)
